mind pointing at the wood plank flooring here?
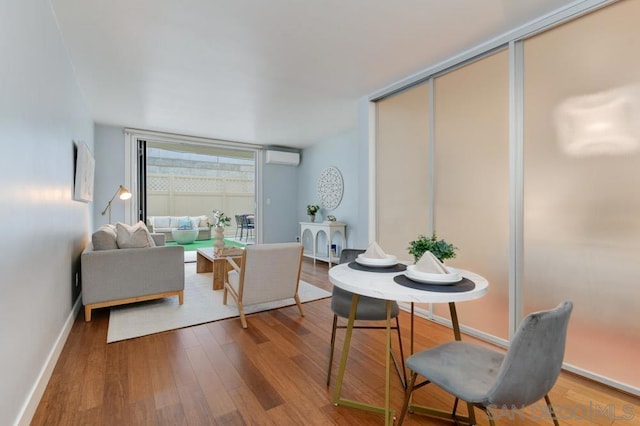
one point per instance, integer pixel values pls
(272, 373)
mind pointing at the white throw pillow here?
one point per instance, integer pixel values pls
(133, 236)
(105, 238)
(200, 221)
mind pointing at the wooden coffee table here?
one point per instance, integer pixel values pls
(206, 261)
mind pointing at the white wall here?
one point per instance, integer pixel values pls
(41, 113)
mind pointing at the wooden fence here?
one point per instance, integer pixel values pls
(178, 195)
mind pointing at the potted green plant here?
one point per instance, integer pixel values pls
(221, 219)
(440, 248)
(312, 209)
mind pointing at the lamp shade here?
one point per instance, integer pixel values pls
(124, 193)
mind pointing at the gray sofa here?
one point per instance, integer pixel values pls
(164, 225)
(119, 276)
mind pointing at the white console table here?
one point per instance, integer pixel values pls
(329, 229)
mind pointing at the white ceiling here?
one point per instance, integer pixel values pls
(276, 72)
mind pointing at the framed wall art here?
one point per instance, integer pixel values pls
(85, 168)
(330, 188)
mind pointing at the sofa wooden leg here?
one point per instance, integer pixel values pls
(87, 313)
(181, 297)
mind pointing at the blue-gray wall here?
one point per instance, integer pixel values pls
(42, 113)
(110, 149)
(345, 153)
(280, 203)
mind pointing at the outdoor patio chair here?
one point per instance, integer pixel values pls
(239, 225)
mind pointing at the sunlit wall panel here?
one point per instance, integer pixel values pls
(582, 185)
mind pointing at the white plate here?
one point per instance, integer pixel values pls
(387, 262)
(422, 277)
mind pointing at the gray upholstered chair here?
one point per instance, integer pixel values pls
(369, 309)
(269, 272)
(487, 378)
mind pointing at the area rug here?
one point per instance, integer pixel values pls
(201, 305)
(190, 256)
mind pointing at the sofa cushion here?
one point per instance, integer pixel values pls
(175, 221)
(105, 238)
(161, 222)
(133, 236)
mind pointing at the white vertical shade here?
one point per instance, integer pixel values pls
(471, 195)
(581, 186)
(402, 169)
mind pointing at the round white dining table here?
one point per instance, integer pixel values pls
(383, 284)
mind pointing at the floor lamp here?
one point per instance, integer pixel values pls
(122, 193)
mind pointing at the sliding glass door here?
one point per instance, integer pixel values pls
(529, 161)
(581, 180)
(471, 183)
(402, 169)
(186, 179)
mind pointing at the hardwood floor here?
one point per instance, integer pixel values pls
(272, 373)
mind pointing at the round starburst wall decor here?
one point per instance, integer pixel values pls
(330, 188)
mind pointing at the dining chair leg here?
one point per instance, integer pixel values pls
(345, 348)
(400, 368)
(551, 410)
(492, 422)
(403, 377)
(407, 398)
(388, 417)
(333, 346)
(458, 336)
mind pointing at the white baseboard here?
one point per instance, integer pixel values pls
(31, 404)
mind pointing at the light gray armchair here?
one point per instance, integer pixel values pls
(269, 272)
(487, 378)
(119, 276)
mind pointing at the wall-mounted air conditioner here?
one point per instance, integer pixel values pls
(282, 157)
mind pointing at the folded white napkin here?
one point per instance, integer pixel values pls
(374, 252)
(430, 264)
